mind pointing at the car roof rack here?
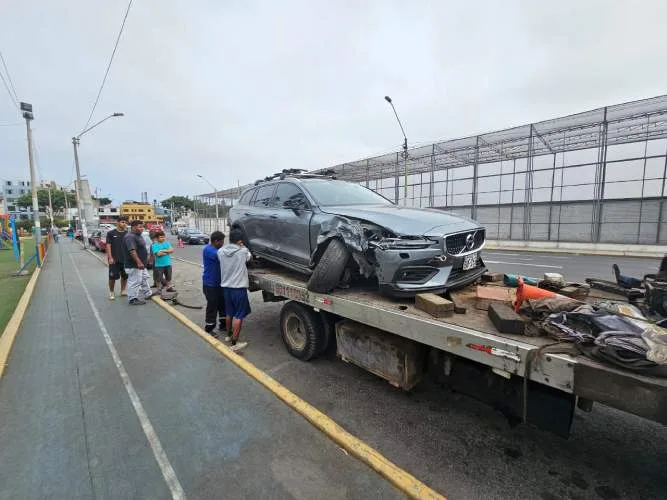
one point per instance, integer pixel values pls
(298, 173)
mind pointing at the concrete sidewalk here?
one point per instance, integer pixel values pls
(168, 417)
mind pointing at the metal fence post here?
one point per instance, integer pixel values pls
(396, 180)
(475, 174)
(662, 201)
(528, 194)
(431, 197)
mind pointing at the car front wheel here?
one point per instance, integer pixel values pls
(329, 270)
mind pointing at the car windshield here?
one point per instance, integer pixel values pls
(329, 192)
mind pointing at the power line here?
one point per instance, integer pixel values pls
(106, 73)
(9, 77)
(9, 92)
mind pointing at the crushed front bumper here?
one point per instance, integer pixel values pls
(405, 273)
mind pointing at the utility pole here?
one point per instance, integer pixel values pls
(79, 194)
(66, 207)
(50, 206)
(27, 114)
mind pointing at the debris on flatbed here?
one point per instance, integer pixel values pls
(512, 280)
(459, 305)
(494, 293)
(492, 277)
(435, 305)
(505, 319)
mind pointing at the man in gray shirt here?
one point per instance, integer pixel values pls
(234, 281)
(136, 260)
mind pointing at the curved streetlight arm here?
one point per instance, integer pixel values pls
(391, 103)
(99, 123)
(217, 215)
(207, 182)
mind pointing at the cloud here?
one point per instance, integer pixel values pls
(239, 90)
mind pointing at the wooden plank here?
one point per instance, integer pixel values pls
(505, 319)
(434, 305)
(494, 293)
(493, 277)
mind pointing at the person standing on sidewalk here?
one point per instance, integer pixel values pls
(55, 232)
(215, 298)
(234, 280)
(162, 251)
(136, 260)
(116, 256)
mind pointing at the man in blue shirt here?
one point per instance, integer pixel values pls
(215, 297)
(162, 251)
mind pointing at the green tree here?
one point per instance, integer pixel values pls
(180, 203)
(57, 199)
(104, 201)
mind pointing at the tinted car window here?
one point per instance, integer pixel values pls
(289, 192)
(264, 195)
(331, 192)
(245, 199)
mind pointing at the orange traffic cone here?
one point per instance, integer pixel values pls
(525, 292)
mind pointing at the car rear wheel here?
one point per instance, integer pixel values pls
(302, 331)
(330, 268)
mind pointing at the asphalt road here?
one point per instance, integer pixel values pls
(459, 446)
(104, 400)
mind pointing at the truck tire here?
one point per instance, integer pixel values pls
(330, 268)
(302, 331)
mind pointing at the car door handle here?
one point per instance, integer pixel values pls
(248, 214)
(274, 216)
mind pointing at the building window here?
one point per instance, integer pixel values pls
(9, 191)
(114, 210)
(9, 183)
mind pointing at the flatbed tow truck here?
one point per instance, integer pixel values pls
(526, 378)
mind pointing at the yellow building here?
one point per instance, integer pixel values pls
(145, 212)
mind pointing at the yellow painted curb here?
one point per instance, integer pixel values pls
(12, 328)
(404, 481)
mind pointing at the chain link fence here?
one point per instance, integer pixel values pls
(593, 177)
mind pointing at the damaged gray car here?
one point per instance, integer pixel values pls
(336, 231)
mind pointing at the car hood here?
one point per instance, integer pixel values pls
(405, 221)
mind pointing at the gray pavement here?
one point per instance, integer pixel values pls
(460, 446)
(69, 428)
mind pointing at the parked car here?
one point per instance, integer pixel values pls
(97, 240)
(333, 230)
(193, 237)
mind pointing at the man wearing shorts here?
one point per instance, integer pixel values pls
(234, 281)
(116, 256)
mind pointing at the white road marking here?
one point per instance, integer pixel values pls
(521, 264)
(158, 451)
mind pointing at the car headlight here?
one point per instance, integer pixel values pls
(401, 243)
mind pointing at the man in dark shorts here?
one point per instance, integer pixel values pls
(136, 261)
(116, 257)
(234, 280)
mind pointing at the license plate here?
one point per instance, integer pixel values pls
(470, 261)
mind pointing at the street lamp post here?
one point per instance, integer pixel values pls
(217, 216)
(79, 194)
(405, 150)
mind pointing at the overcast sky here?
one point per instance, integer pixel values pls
(239, 90)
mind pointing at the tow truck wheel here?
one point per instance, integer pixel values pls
(302, 330)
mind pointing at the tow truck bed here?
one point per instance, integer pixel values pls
(512, 354)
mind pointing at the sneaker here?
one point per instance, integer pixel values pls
(123, 293)
(238, 346)
(112, 296)
(137, 302)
